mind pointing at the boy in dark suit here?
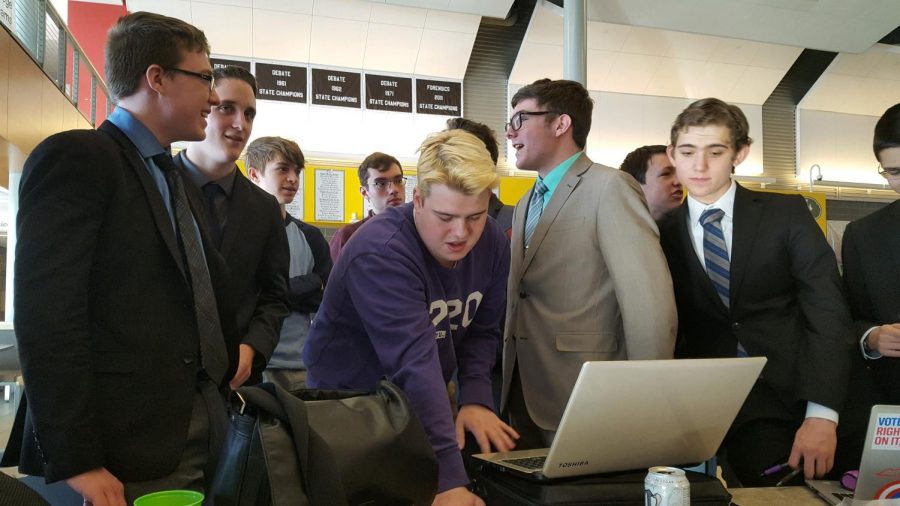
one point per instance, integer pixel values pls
(754, 276)
(245, 221)
(125, 332)
(871, 269)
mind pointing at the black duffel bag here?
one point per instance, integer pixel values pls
(328, 447)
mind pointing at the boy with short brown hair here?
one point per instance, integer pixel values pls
(275, 164)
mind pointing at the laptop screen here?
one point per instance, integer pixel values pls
(879, 471)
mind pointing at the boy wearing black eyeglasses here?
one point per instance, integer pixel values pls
(382, 184)
(586, 263)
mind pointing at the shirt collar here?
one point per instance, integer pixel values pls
(200, 180)
(139, 135)
(555, 176)
(725, 203)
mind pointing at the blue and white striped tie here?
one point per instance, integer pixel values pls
(535, 208)
(715, 255)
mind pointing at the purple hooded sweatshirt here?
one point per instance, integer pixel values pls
(391, 310)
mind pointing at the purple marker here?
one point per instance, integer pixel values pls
(775, 469)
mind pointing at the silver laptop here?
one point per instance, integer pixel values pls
(626, 415)
(879, 469)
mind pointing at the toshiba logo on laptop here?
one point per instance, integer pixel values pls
(578, 463)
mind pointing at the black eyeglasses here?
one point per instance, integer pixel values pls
(516, 121)
(206, 77)
(889, 172)
(384, 184)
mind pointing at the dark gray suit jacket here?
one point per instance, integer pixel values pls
(104, 313)
(871, 256)
(256, 250)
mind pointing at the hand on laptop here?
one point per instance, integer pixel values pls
(486, 427)
(458, 496)
(814, 444)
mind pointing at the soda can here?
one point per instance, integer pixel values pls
(666, 486)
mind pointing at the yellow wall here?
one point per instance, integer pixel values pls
(512, 188)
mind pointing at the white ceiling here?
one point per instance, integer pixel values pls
(490, 8)
(648, 61)
(849, 26)
(866, 83)
(377, 35)
(738, 50)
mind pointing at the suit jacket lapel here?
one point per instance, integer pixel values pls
(517, 242)
(747, 214)
(560, 195)
(695, 264)
(157, 206)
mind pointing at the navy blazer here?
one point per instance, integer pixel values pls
(103, 312)
(785, 297)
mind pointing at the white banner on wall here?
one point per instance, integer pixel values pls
(295, 208)
(6, 13)
(411, 182)
(329, 195)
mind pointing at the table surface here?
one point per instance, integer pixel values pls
(794, 496)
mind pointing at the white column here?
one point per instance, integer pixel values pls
(575, 41)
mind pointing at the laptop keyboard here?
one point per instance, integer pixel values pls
(532, 463)
(843, 495)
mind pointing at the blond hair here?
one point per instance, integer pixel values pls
(458, 160)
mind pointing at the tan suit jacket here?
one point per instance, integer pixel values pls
(593, 285)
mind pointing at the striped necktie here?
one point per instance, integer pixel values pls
(213, 355)
(715, 253)
(535, 208)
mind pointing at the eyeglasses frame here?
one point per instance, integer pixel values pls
(205, 77)
(512, 121)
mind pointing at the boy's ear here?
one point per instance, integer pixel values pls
(253, 174)
(741, 155)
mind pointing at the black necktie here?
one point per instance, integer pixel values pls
(211, 191)
(213, 356)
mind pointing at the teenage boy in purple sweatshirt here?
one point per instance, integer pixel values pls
(418, 294)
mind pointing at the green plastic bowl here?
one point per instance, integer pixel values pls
(170, 498)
